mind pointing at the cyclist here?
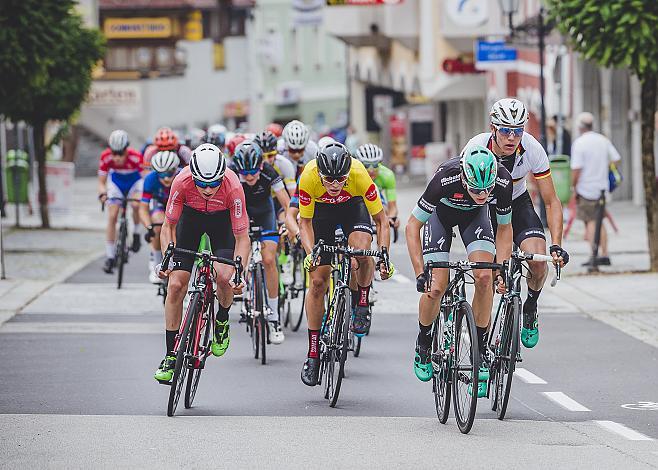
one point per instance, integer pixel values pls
(296, 146)
(195, 137)
(233, 143)
(335, 189)
(259, 180)
(216, 135)
(206, 197)
(166, 139)
(275, 128)
(154, 200)
(125, 167)
(458, 195)
(371, 156)
(521, 154)
(284, 167)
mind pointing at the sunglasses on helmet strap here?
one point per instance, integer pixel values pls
(251, 172)
(333, 179)
(212, 184)
(507, 131)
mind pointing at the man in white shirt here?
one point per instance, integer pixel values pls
(591, 155)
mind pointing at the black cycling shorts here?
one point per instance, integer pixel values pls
(191, 227)
(525, 221)
(351, 216)
(474, 227)
(264, 217)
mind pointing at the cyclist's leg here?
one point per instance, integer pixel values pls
(113, 205)
(267, 220)
(135, 192)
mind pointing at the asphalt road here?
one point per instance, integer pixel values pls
(78, 363)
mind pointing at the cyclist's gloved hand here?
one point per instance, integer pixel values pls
(308, 263)
(150, 233)
(283, 230)
(421, 283)
(558, 251)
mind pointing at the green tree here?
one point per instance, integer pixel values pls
(622, 33)
(46, 60)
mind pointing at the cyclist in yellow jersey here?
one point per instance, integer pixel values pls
(335, 189)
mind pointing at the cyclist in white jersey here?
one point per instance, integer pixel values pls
(296, 146)
(521, 154)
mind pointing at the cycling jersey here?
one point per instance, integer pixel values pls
(446, 187)
(229, 197)
(310, 151)
(530, 157)
(258, 195)
(286, 170)
(183, 151)
(358, 184)
(154, 189)
(385, 181)
(125, 175)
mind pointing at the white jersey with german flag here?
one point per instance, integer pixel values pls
(530, 157)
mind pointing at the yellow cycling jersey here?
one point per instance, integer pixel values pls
(358, 184)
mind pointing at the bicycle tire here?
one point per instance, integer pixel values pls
(299, 270)
(441, 365)
(507, 362)
(460, 374)
(120, 255)
(180, 370)
(261, 304)
(343, 331)
(328, 359)
(193, 377)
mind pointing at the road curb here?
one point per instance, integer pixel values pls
(27, 291)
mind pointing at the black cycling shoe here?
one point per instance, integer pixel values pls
(311, 371)
(108, 267)
(361, 323)
(137, 243)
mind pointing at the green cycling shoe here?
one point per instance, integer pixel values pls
(221, 340)
(166, 370)
(483, 381)
(423, 364)
(530, 330)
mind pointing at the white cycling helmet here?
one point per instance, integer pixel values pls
(118, 141)
(165, 161)
(508, 112)
(325, 140)
(296, 135)
(369, 154)
(207, 163)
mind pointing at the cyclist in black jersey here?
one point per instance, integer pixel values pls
(458, 195)
(259, 180)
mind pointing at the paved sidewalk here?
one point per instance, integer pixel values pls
(36, 259)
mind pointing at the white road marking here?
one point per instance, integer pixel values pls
(623, 431)
(528, 377)
(401, 278)
(81, 328)
(565, 401)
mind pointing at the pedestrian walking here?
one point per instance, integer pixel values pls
(591, 155)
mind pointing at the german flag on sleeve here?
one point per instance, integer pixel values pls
(542, 174)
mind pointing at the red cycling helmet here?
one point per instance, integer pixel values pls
(274, 128)
(165, 139)
(233, 143)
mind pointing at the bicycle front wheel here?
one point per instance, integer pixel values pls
(465, 368)
(441, 345)
(120, 253)
(342, 331)
(201, 351)
(183, 352)
(506, 359)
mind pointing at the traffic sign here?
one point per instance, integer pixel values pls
(494, 54)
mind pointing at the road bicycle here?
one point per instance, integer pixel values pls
(255, 308)
(455, 352)
(162, 285)
(337, 323)
(197, 329)
(293, 294)
(506, 327)
(121, 248)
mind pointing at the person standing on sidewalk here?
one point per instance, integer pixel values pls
(591, 155)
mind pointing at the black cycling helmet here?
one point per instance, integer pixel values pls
(334, 160)
(248, 156)
(266, 141)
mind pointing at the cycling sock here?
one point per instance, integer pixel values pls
(109, 249)
(274, 306)
(530, 304)
(364, 296)
(313, 346)
(137, 229)
(482, 338)
(424, 335)
(222, 313)
(170, 336)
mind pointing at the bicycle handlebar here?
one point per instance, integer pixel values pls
(463, 265)
(237, 263)
(126, 199)
(349, 251)
(521, 255)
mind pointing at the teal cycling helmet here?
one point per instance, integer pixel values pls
(479, 168)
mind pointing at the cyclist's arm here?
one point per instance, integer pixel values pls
(167, 235)
(283, 198)
(102, 184)
(307, 233)
(291, 221)
(412, 234)
(383, 232)
(144, 214)
(392, 209)
(504, 242)
(553, 205)
(242, 247)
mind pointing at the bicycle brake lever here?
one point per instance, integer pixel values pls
(238, 270)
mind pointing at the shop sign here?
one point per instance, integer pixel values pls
(132, 28)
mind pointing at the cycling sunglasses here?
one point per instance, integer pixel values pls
(374, 166)
(296, 151)
(166, 174)
(479, 192)
(508, 131)
(212, 184)
(251, 172)
(333, 180)
(270, 154)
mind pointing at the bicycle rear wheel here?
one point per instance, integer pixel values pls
(465, 368)
(300, 280)
(120, 254)
(207, 318)
(509, 347)
(185, 345)
(441, 345)
(342, 339)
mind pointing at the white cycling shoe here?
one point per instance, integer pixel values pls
(153, 277)
(276, 333)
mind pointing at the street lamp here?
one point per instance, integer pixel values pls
(509, 8)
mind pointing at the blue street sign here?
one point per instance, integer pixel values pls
(494, 51)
